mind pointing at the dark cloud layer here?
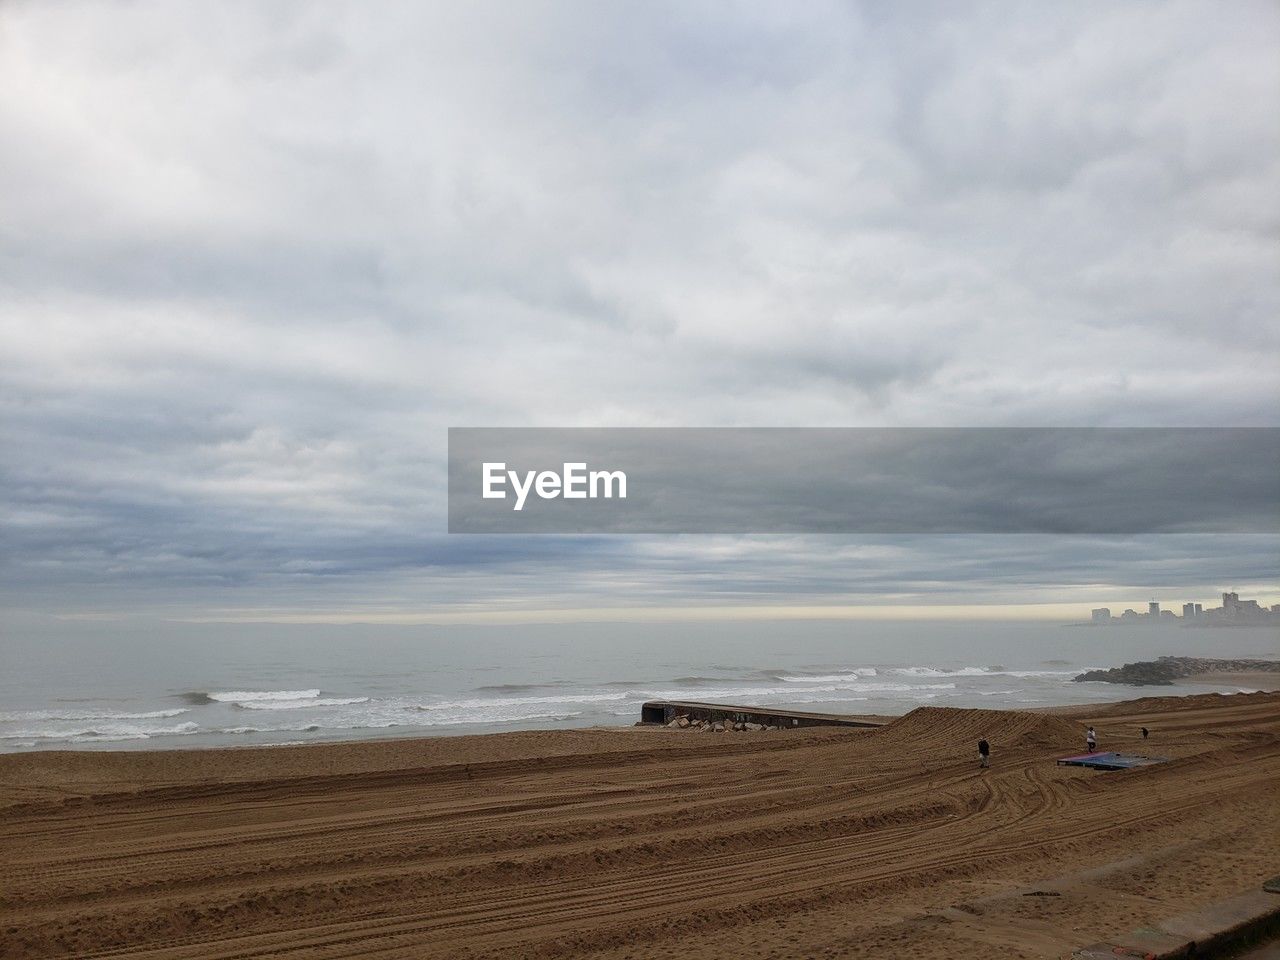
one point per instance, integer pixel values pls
(254, 260)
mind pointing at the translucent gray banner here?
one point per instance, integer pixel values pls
(864, 480)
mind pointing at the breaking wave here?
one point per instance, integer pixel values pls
(299, 704)
(28, 716)
(255, 696)
(99, 732)
(980, 672)
(850, 676)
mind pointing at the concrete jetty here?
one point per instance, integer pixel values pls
(664, 711)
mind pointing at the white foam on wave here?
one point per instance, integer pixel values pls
(103, 732)
(28, 716)
(253, 696)
(1040, 673)
(847, 677)
(300, 704)
(304, 728)
(926, 672)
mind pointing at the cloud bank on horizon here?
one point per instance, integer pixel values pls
(254, 260)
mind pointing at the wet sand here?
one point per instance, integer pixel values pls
(1246, 680)
(646, 843)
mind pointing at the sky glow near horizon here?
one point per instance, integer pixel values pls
(254, 261)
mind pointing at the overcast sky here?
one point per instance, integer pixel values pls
(255, 259)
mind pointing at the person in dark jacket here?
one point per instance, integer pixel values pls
(984, 753)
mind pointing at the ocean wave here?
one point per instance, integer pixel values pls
(793, 693)
(481, 703)
(526, 687)
(652, 682)
(238, 731)
(503, 718)
(927, 672)
(1042, 673)
(28, 716)
(848, 676)
(408, 720)
(253, 696)
(312, 713)
(99, 732)
(300, 704)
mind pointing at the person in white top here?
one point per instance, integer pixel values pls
(1091, 740)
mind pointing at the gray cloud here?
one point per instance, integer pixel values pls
(254, 261)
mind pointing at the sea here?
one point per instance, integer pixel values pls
(139, 685)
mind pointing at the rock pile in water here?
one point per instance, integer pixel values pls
(1166, 670)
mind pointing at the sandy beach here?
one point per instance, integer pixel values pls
(646, 842)
(1251, 680)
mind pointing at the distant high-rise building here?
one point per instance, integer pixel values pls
(1102, 615)
(1199, 609)
(1229, 601)
(1153, 608)
(1188, 611)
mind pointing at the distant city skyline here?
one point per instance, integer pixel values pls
(1233, 611)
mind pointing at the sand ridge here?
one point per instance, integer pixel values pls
(948, 730)
(633, 843)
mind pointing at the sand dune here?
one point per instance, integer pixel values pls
(940, 730)
(639, 843)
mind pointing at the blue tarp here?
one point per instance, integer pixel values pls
(1110, 761)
